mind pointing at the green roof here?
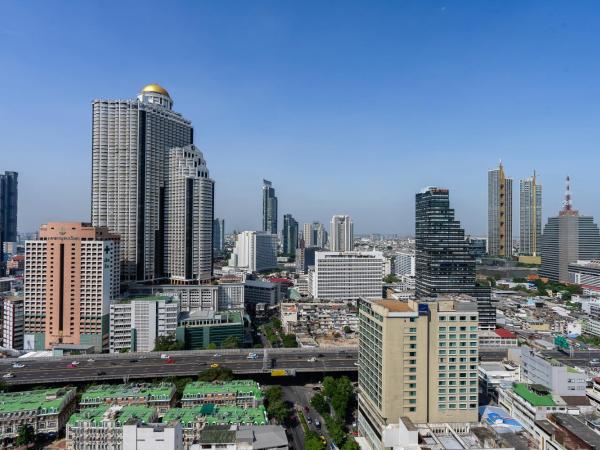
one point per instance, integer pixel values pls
(114, 392)
(41, 401)
(198, 389)
(524, 391)
(122, 414)
(217, 415)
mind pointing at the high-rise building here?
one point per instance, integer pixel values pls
(499, 213)
(254, 251)
(530, 216)
(188, 217)
(12, 322)
(136, 323)
(346, 275)
(269, 215)
(305, 257)
(404, 263)
(444, 264)
(290, 235)
(416, 360)
(587, 275)
(567, 238)
(71, 276)
(130, 150)
(218, 236)
(8, 206)
(314, 235)
(341, 234)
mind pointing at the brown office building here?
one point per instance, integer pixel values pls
(71, 276)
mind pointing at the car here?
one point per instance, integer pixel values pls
(317, 388)
(214, 366)
(164, 356)
(75, 363)
(71, 366)
(321, 355)
(308, 419)
(18, 365)
(101, 372)
(91, 360)
(356, 364)
(313, 359)
(217, 355)
(8, 375)
(170, 360)
(317, 424)
(323, 440)
(252, 356)
(134, 360)
(306, 409)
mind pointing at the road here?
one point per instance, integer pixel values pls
(190, 363)
(300, 396)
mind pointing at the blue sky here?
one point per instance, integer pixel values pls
(348, 107)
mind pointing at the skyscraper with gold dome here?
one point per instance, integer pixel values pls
(131, 141)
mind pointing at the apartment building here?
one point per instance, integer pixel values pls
(241, 393)
(156, 396)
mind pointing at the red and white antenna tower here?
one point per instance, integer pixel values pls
(567, 205)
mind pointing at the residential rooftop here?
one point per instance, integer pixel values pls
(533, 395)
(211, 414)
(120, 415)
(121, 392)
(41, 401)
(197, 389)
(394, 305)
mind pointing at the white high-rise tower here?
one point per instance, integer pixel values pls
(342, 234)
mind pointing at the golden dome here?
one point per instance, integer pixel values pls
(156, 89)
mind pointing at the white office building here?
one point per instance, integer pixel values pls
(341, 236)
(188, 217)
(12, 323)
(404, 264)
(153, 436)
(346, 275)
(136, 323)
(254, 251)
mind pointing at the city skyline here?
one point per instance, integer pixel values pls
(415, 117)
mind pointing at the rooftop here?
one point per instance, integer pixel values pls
(211, 414)
(529, 394)
(118, 414)
(200, 388)
(147, 392)
(42, 401)
(146, 298)
(394, 305)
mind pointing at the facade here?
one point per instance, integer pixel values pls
(254, 251)
(305, 257)
(560, 379)
(341, 234)
(404, 264)
(130, 144)
(158, 436)
(416, 360)
(188, 217)
(591, 324)
(136, 323)
(318, 318)
(205, 297)
(160, 397)
(314, 235)
(499, 213)
(71, 276)
(290, 235)
(12, 323)
(218, 236)
(567, 238)
(346, 275)
(530, 216)
(269, 211)
(199, 329)
(259, 291)
(9, 197)
(443, 261)
(240, 393)
(586, 274)
(46, 410)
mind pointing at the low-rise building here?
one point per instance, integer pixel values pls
(260, 292)
(46, 410)
(12, 322)
(241, 393)
(136, 323)
(566, 432)
(198, 329)
(158, 396)
(498, 338)
(152, 436)
(495, 375)
(101, 427)
(319, 318)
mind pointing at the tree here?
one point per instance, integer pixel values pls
(320, 404)
(211, 346)
(216, 374)
(231, 342)
(273, 394)
(312, 441)
(347, 329)
(350, 444)
(167, 343)
(336, 430)
(25, 435)
(289, 340)
(391, 278)
(276, 323)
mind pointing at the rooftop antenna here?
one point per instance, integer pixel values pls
(567, 205)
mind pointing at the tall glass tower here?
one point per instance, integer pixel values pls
(443, 263)
(269, 208)
(290, 235)
(530, 223)
(499, 213)
(8, 206)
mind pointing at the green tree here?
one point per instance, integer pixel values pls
(347, 329)
(312, 441)
(289, 341)
(276, 322)
(492, 281)
(329, 386)
(167, 343)
(25, 435)
(273, 394)
(336, 430)
(231, 342)
(211, 346)
(319, 402)
(391, 278)
(216, 374)
(350, 444)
